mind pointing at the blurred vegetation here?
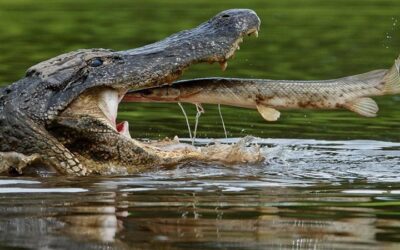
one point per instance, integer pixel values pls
(309, 39)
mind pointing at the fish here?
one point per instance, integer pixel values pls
(268, 96)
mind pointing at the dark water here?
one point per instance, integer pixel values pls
(330, 179)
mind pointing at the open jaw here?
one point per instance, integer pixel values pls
(108, 99)
(162, 63)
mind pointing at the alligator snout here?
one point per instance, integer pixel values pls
(240, 21)
(163, 62)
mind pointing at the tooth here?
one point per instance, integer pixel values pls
(125, 129)
(255, 33)
(238, 47)
(223, 65)
(240, 40)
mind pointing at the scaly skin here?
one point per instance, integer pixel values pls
(39, 119)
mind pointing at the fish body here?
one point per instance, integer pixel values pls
(268, 96)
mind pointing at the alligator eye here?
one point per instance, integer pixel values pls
(96, 62)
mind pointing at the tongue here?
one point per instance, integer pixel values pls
(123, 129)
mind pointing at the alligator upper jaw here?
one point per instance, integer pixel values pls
(165, 61)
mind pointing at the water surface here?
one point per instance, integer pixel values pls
(308, 194)
(330, 179)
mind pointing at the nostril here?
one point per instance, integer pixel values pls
(226, 15)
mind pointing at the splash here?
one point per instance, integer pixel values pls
(242, 151)
(222, 120)
(187, 120)
(200, 111)
(389, 34)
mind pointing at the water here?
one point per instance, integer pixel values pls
(330, 179)
(308, 194)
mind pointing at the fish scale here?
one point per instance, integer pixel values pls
(267, 96)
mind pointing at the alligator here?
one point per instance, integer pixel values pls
(62, 114)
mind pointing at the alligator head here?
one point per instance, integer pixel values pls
(74, 97)
(104, 76)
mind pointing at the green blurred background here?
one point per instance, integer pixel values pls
(308, 39)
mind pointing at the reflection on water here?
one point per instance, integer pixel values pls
(307, 194)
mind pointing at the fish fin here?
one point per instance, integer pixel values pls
(364, 106)
(268, 113)
(392, 79)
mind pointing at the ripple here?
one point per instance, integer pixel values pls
(307, 162)
(364, 191)
(41, 190)
(11, 182)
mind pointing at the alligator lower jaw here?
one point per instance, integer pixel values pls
(102, 103)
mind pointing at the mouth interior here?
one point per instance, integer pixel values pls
(102, 103)
(107, 102)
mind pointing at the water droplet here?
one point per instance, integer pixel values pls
(389, 35)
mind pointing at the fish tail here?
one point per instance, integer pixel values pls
(392, 79)
(366, 106)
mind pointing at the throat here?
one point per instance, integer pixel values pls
(100, 104)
